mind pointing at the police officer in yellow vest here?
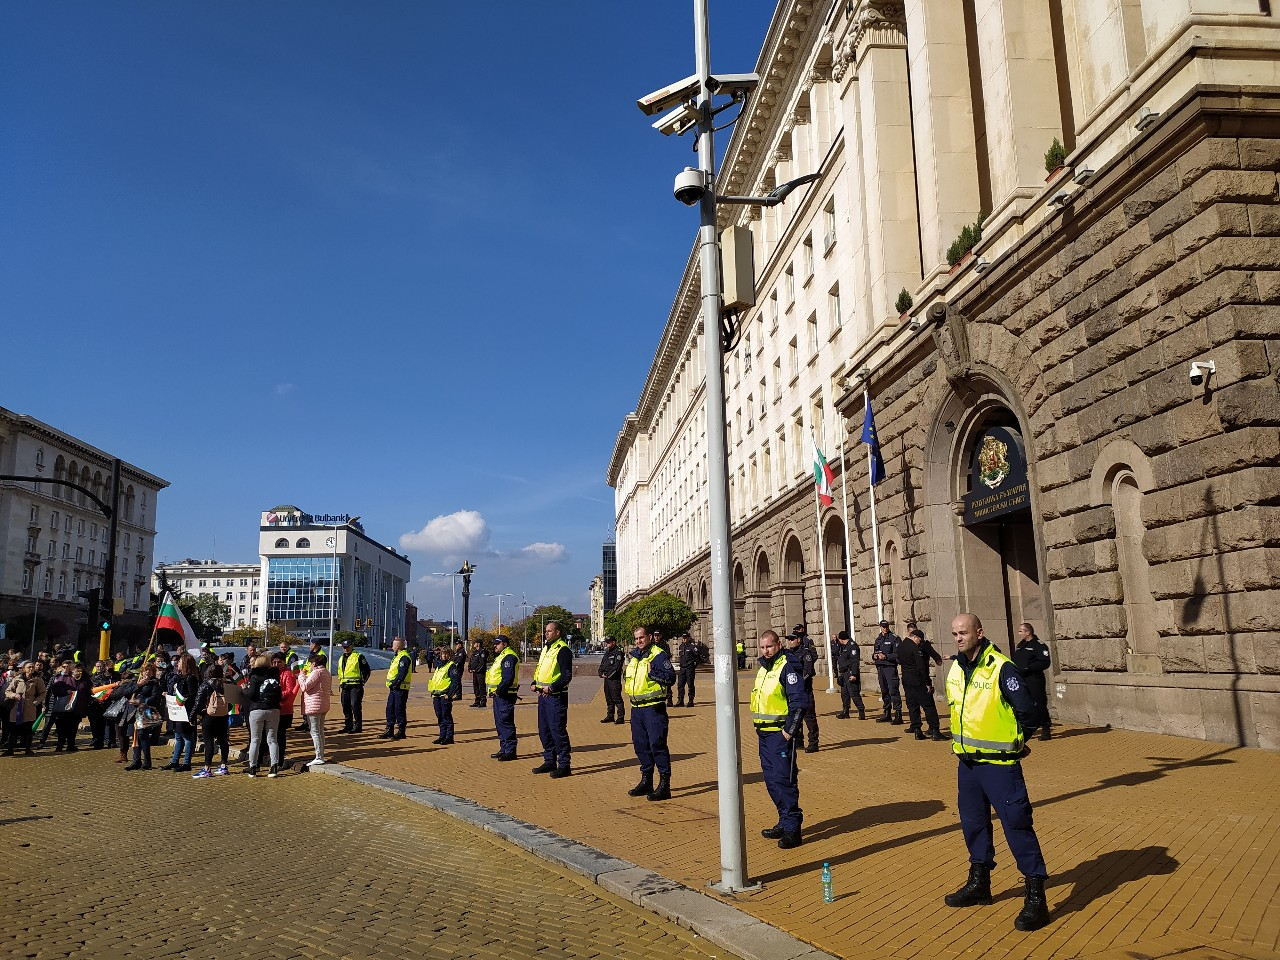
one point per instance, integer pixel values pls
(441, 688)
(399, 676)
(551, 680)
(777, 710)
(989, 705)
(502, 680)
(353, 674)
(646, 682)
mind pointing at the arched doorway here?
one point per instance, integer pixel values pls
(792, 586)
(837, 575)
(739, 602)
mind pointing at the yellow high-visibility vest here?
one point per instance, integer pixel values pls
(548, 669)
(395, 666)
(983, 725)
(638, 685)
(769, 709)
(440, 681)
(493, 676)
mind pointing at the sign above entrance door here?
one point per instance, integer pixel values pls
(997, 477)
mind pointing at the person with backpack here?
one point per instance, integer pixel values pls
(262, 693)
(213, 713)
(147, 700)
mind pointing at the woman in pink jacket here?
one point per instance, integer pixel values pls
(314, 686)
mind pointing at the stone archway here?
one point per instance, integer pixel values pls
(790, 589)
(833, 538)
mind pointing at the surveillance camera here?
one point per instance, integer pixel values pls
(736, 85)
(1200, 371)
(678, 120)
(669, 96)
(691, 185)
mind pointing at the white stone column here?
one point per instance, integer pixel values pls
(887, 154)
(942, 110)
(1020, 90)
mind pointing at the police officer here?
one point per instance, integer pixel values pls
(353, 674)
(477, 664)
(741, 649)
(885, 657)
(989, 702)
(611, 664)
(777, 710)
(1031, 657)
(649, 675)
(440, 686)
(917, 687)
(688, 656)
(399, 676)
(503, 682)
(207, 658)
(551, 679)
(805, 658)
(291, 658)
(848, 658)
(460, 658)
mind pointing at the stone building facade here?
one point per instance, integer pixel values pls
(1080, 418)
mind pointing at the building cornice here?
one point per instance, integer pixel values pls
(39, 428)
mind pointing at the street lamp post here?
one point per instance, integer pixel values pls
(465, 572)
(692, 99)
(453, 601)
(35, 617)
(499, 596)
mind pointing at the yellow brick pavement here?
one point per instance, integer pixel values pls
(1155, 844)
(99, 863)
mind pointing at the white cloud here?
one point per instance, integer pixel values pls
(461, 532)
(544, 552)
(284, 388)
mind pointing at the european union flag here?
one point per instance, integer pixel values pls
(869, 436)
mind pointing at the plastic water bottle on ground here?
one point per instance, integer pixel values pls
(828, 890)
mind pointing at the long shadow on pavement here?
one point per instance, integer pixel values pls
(629, 761)
(1104, 874)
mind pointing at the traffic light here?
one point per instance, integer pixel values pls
(368, 623)
(94, 597)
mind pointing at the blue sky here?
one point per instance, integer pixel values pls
(402, 260)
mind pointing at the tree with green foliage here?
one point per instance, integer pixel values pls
(206, 614)
(243, 635)
(342, 636)
(662, 611)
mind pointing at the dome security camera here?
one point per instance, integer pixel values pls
(690, 186)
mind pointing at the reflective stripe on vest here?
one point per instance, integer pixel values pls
(440, 680)
(395, 666)
(769, 709)
(643, 691)
(983, 725)
(493, 676)
(349, 669)
(548, 670)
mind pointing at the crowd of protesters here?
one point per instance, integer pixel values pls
(134, 704)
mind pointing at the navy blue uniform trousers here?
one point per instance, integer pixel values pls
(504, 721)
(778, 763)
(397, 703)
(982, 786)
(553, 728)
(444, 714)
(649, 737)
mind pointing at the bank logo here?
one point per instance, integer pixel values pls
(993, 462)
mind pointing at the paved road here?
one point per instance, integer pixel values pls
(101, 863)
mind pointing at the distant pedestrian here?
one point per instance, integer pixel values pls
(649, 675)
(315, 688)
(848, 661)
(777, 711)
(441, 687)
(353, 674)
(1031, 657)
(610, 670)
(688, 655)
(477, 664)
(503, 683)
(288, 699)
(551, 679)
(989, 706)
(459, 658)
(399, 678)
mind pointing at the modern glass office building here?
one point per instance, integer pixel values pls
(323, 569)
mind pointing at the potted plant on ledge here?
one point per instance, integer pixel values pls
(1055, 158)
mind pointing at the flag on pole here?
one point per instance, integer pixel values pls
(170, 618)
(869, 436)
(822, 473)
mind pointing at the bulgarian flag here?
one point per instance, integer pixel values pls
(170, 618)
(822, 475)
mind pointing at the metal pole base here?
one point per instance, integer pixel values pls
(720, 886)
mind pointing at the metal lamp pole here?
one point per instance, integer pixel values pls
(453, 601)
(36, 589)
(499, 596)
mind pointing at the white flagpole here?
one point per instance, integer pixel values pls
(875, 532)
(822, 566)
(848, 553)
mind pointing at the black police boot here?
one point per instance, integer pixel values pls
(789, 840)
(1035, 910)
(495, 756)
(811, 747)
(643, 787)
(663, 790)
(772, 833)
(920, 736)
(386, 734)
(883, 718)
(621, 718)
(399, 734)
(608, 719)
(975, 891)
(560, 772)
(938, 735)
(1046, 733)
(897, 719)
(914, 728)
(546, 767)
(843, 716)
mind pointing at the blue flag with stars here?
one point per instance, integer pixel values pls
(869, 436)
